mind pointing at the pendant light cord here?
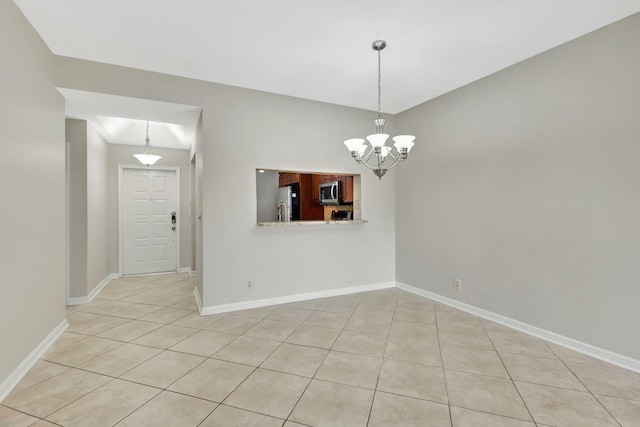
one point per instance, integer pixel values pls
(379, 86)
(147, 146)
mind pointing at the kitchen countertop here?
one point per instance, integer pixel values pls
(299, 223)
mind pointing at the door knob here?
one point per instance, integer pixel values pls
(173, 227)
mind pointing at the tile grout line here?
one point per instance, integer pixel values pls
(256, 367)
(135, 410)
(313, 377)
(78, 398)
(234, 407)
(39, 382)
(386, 342)
(508, 373)
(444, 374)
(162, 389)
(112, 378)
(21, 412)
(316, 371)
(584, 385)
(497, 415)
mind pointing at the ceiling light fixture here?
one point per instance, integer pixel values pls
(382, 157)
(147, 158)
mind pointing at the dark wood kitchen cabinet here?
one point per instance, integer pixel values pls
(329, 178)
(315, 189)
(288, 178)
(309, 209)
(347, 189)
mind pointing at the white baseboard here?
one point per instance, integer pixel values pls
(23, 368)
(579, 346)
(188, 270)
(94, 292)
(198, 299)
(223, 308)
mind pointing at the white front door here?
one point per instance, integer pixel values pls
(150, 201)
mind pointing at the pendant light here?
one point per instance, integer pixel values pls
(147, 158)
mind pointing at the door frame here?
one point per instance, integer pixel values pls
(67, 213)
(121, 168)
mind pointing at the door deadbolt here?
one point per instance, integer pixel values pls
(173, 218)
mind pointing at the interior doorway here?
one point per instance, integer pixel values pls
(149, 201)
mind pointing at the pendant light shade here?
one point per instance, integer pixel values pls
(147, 159)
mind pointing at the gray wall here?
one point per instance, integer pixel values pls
(250, 129)
(244, 129)
(88, 208)
(525, 184)
(196, 220)
(97, 209)
(32, 184)
(192, 212)
(267, 184)
(123, 154)
(76, 136)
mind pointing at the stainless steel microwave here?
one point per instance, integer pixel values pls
(330, 193)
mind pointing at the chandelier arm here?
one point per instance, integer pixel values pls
(369, 166)
(392, 156)
(395, 163)
(366, 157)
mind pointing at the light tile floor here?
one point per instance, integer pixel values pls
(140, 355)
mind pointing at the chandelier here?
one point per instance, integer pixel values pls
(378, 157)
(147, 158)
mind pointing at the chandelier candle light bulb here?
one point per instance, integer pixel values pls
(381, 156)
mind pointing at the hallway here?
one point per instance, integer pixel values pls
(140, 355)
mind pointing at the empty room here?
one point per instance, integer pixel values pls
(320, 214)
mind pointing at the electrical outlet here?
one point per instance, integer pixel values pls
(249, 285)
(457, 284)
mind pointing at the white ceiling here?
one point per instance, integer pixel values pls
(123, 120)
(320, 50)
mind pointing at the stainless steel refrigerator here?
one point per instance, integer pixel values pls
(288, 203)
